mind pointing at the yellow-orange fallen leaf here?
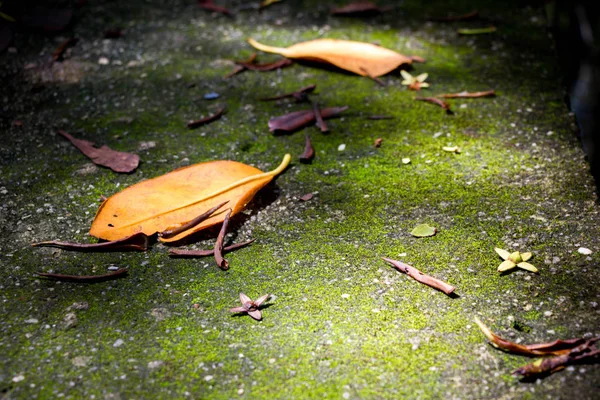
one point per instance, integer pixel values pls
(364, 59)
(177, 197)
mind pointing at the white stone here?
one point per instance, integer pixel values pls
(584, 251)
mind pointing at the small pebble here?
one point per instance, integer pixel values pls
(345, 296)
(547, 313)
(103, 61)
(31, 321)
(208, 378)
(211, 96)
(118, 343)
(18, 378)
(584, 251)
(155, 364)
(406, 160)
(342, 147)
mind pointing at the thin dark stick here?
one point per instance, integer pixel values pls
(205, 253)
(221, 262)
(319, 118)
(137, 242)
(298, 95)
(209, 6)
(206, 120)
(436, 101)
(266, 67)
(421, 277)
(169, 233)
(467, 95)
(376, 79)
(60, 50)
(239, 68)
(309, 150)
(85, 278)
(464, 17)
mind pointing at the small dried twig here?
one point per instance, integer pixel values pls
(299, 119)
(60, 50)
(436, 101)
(136, 242)
(176, 230)
(319, 119)
(206, 253)
(85, 278)
(206, 120)
(299, 95)
(208, 5)
(218, 251)
(452, 18)
(309, 150)
(421, 277)
(584, 353)
(554, 348)
(240, 66)
(467, 95)
(266, 67)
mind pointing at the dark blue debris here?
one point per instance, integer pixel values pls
(211, 96)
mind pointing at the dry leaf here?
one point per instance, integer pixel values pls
(173, 199)
(359, 8)
(118, 161)
(364, 59)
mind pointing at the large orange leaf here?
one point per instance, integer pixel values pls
(364, 59)
(175, 198)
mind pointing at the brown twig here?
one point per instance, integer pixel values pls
(319, 119)
(299, 119)
(208, 5)
(206, 120)
(85, 278)
(136, 242)
(309, 151)
(467, 95)
(378, 142)
(436, 101)
(60, 50)
(421, 277)
(206, 253)
(299, 95)
(221, 262)
(266, 67)
(239, 68)
(174, 231)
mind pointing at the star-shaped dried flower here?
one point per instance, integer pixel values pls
(250, 307)
(414, 82)
(514, 259)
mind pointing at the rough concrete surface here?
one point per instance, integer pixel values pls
(340, 323)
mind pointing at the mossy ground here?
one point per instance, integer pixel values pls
(341, 323)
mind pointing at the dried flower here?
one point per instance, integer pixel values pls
(514, 259)
(250, 307)
(414, 82)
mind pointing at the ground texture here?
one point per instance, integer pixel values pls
(341, 323)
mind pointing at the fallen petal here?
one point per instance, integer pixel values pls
(255, 314)
(527, 267)
(506, 265)
(502, 253)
